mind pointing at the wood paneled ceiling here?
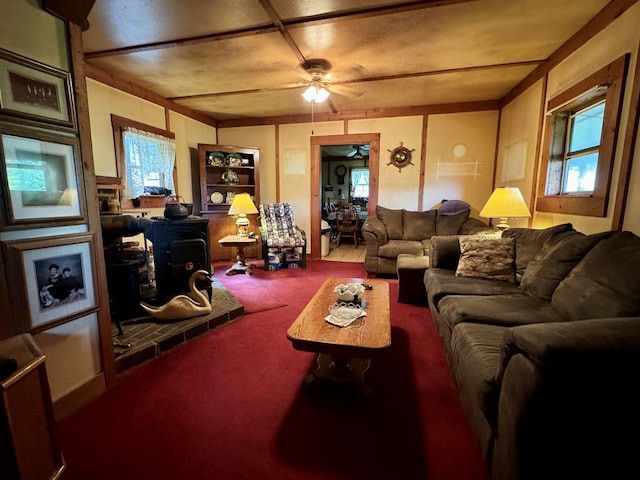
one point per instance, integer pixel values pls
(241, 59)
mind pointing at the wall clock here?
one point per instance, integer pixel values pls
(341, 171)
(400, 157)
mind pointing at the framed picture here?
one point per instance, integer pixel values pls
(54, 279)
(40, 178)
(35, 91)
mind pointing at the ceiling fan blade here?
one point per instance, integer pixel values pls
(345, 90)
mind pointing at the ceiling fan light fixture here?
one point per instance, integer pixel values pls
(315, 94)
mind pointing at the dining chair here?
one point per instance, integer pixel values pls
(348, 224)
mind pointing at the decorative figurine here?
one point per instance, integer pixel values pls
(182, 307)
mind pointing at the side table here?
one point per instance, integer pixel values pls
(240, 243)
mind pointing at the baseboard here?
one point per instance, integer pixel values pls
(79, 397)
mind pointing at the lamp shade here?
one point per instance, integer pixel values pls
(242, 205)
(505, 202)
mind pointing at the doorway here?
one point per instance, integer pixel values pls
(317, 187)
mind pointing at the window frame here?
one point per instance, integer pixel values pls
(608, 84)
(352, 187)
(119, 124)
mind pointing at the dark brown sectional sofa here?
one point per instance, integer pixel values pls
(548, 367)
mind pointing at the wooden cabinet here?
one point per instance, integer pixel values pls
(28, 444)
(224, 172)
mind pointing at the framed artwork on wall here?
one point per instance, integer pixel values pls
(54, 279)
(40, 177)
(35, 91)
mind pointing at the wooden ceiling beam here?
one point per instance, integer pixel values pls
(366, 79)
(603, 19)
(102, 76)
(362, 114)
(284, 24)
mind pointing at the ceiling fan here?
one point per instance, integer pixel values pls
(358, 153)
(319, 87)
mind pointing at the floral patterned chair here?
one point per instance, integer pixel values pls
(279, 231)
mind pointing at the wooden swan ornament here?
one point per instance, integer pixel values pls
(182, 306)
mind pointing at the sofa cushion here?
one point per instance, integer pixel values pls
(507, 310)
(606, 283)
(487, 258)
(451, 224)
(529, 242)
(418, 225)
(555, 261)
(441, 282)
(476, 349)
(392, 220)
(396, 247)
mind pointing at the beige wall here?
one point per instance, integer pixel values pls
(623, 35)
(460, 158)
(397, 188)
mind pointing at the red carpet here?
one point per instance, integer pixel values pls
(228, 405)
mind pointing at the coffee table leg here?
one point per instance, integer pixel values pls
(340, 370)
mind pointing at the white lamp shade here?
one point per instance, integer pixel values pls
(315, 94)
(505, 202)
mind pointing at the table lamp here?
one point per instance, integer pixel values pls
(242, 206)
(504, 203)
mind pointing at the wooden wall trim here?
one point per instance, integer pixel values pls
(93, 209)
(628, 150)
(423, 161)
(608, 14)
(102, 76)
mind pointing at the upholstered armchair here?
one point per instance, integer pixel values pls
(279, 232)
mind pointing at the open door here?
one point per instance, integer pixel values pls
(373, 139)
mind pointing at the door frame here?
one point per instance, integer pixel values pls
(373, 139)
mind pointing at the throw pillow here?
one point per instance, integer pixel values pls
(555, 261)
(419, 225)
(491, 258)
(392, 220)
(529, 242)
(452, 207)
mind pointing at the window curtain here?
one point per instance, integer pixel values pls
(147, 153)
(360, 182)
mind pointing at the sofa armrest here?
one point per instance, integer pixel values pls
(574, 344)
(444, 252)
(568, 400)
(374, 227)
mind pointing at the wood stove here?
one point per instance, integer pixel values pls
(180, 247)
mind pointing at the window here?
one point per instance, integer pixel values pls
(582, 127)
(583, 145)
(145, 159)
(149, 161)
(360, 183)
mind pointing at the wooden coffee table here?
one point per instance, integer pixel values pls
(344, 353)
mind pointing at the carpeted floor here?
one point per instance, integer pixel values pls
(228, 405)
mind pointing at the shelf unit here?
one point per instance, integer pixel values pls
(214, 161)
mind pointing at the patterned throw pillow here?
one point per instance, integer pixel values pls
(491, 258)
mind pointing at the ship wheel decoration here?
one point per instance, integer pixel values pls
(400, 157)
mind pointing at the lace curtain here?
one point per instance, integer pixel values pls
(146, 155)
(360, 182)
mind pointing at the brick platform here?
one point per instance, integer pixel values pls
(149, 338)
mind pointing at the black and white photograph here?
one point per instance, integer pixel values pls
(54, 278)
(34, 91)
(40, 177)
